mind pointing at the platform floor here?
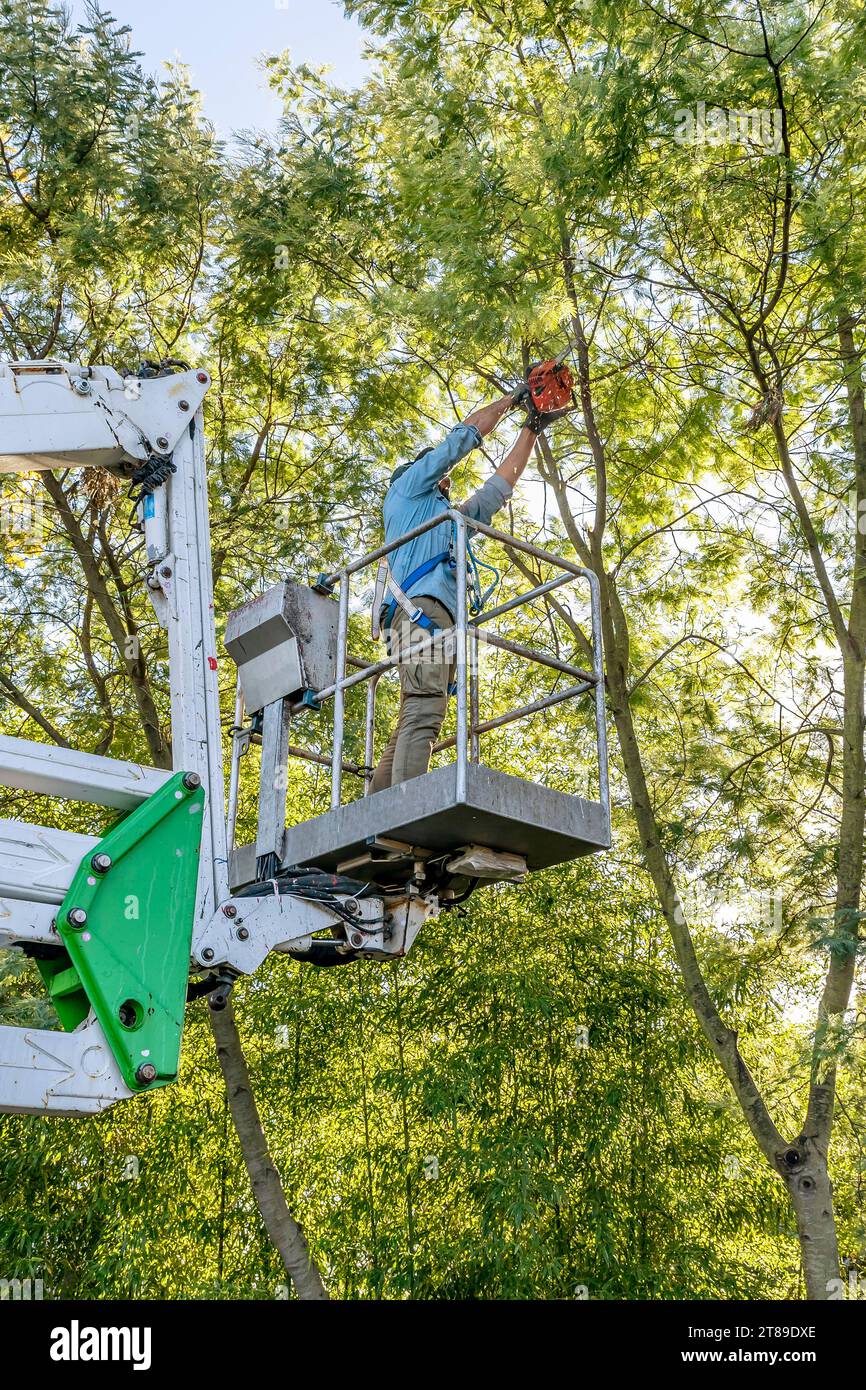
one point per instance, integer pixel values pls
(499, 811)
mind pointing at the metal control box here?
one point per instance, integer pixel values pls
(283, 643)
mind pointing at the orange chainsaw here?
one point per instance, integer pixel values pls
(547, 392)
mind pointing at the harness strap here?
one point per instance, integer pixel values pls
(385, 580)
(382, 614)
(379, 599)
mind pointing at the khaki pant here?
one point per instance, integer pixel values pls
(424, 682)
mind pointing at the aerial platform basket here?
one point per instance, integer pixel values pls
(127, 926)
(290, 646)
(380, 837)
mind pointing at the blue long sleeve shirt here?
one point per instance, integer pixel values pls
(414, 497)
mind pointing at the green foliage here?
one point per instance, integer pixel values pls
(510, 172)
(520, 1108)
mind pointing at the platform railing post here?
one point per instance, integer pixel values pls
(368, 731)
(598, 672)
(339, 693)
(460, 631)
(235, 771)
(474, 738)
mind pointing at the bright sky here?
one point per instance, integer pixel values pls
(220, 40)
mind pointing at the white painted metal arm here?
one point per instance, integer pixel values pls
(244, 930)
(60, 415)
(47, 1073)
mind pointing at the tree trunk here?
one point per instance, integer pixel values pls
(721, 1038)
(811, 1194)
(160, 750)
(803, 1164)
(281, 1226)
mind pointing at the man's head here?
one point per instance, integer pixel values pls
(445, 485)
(404, 467)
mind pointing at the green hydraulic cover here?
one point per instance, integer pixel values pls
(127, 922)
(65, 991)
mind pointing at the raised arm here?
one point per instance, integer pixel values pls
(487, 417)
(434, 463)
(485, 503)
(517, 457)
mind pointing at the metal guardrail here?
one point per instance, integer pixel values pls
(468, 632)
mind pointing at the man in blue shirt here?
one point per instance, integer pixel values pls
(418, 491)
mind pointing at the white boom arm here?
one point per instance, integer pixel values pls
(59, 415)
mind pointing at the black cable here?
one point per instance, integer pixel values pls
(317, 886)
(150, 475)
(324, 954)
(308, 879)
(196, 988)
(461, 897)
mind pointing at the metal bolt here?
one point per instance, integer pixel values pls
(243, 933)
(191, 780)
(145, 1073)
(76, 917)
(356, 938)
(166, 571)
(201, 378)
(183, 405)
(100, 863)
(162, 442)
(230, 910)
(81, 386)
(207, 953)
(352, 905)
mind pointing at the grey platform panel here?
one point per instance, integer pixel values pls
(499, 811)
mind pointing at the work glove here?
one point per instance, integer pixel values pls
(521, 394)
(538, 421)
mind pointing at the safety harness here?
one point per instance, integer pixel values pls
(383, 611)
